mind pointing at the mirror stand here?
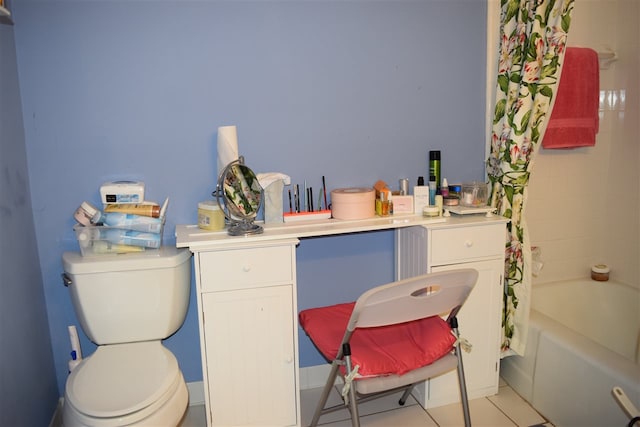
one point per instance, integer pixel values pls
(239, 188)
(244, 228)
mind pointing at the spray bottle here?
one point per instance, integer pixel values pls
(434, 166)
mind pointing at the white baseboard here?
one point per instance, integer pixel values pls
(314, 376)
(56, 419)
(196, 393)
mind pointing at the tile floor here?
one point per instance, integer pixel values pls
(506, 409)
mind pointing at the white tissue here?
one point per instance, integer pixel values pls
(227, 146)
(268, 178)
(273, 184)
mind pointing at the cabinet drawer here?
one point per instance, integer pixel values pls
(246, 268)
(467, 244)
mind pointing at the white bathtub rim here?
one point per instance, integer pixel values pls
(586, 399)
(612, 362)
(611, 282)
(530, 378)
(578, 304)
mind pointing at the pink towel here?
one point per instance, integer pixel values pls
(574, 119)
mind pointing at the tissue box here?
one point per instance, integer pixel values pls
(122, 192)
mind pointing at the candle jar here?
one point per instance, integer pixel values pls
(600, 272)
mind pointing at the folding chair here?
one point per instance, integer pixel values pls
(391, 338)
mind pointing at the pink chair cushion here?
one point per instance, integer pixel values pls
(386, 350)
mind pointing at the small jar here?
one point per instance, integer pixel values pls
(210, 216)
(451, 200)
(87, 214)
(455, 190)
(600, 272)
(431, 211)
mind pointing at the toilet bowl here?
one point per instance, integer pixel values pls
(127, 305)
(126, 384)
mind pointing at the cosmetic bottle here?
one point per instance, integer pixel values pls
(144, 209)
(142, 223)
(131, 237)
(439, 202)
(434, 167)
(444, 190)
(384, 204)
(432, 189)
(404, 186)
(420, 196)
(104, 247)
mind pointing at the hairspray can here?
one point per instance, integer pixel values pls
(434, 166)
(404, 186)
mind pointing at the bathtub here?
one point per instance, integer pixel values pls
(583, 340)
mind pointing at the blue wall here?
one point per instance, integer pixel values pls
(28, 391)
(356, 91)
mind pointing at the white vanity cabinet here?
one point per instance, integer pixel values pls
(247, 308)
(248, 333)
(470, 242)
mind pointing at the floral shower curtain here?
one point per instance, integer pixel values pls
(533, 35)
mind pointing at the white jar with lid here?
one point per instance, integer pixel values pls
(210, 216)
(431, 211)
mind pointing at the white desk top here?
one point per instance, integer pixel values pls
(195, 238)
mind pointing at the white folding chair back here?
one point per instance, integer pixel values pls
(434, 294)
(414, 298)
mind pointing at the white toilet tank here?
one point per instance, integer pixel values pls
(132, 297)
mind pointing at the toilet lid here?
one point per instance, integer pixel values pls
(120, 379)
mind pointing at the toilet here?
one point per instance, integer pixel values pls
(127, 304)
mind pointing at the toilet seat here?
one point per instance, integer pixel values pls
(123, 383)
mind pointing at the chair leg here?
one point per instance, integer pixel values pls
(353, 403)
(325, 393)
(463, 391)
(405, 395)
(353, 408)
(461, 379)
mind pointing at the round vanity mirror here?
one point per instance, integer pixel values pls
(241, 193)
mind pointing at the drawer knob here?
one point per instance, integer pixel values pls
(468, 243)
(246, 268)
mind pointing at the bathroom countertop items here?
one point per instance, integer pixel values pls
(119, 228)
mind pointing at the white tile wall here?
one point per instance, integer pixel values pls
(584, 204)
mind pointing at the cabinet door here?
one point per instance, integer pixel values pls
(250, 356)
(479, 323)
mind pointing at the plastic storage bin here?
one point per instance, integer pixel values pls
(101, 240)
